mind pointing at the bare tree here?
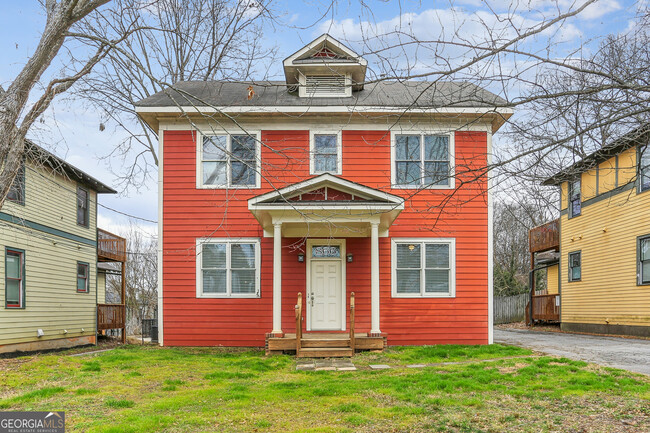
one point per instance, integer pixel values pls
(179, 40)
(16, 114)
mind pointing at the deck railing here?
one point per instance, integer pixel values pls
(352, 311)
(545, 237)
(546, 307)
(111, 316)
(298, 309)
(110, 247)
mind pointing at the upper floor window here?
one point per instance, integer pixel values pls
(644, 168)
(575, 266)
(423, 268)
(423, 161)
(227, 268)
(17, 190)
(83, 204)
(14, 278)
(575, 199)
(325, 153)
(644, 260)
(228, 161)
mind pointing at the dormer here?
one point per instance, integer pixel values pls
(325, 68)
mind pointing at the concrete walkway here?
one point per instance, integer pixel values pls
(625, 353)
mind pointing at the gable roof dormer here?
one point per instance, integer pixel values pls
(325, 68)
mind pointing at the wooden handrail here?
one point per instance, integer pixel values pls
(298, 309)
(352, 309)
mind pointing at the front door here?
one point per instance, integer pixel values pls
(326, 298)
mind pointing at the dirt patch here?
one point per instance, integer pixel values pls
(511, 368)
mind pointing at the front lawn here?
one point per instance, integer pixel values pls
(481, 389)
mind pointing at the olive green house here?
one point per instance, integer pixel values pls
(49, 242)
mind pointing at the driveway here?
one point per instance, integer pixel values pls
(625, 353)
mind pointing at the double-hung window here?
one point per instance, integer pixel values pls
(575, 199)
(228, 268)
(644, 168)
(325, 153)
(82, 277)
(423, 161)
(423, 268)
(16, 192)
(83, 203)
(14, 278)
(228, 161)
(644, 260)
(575, 266)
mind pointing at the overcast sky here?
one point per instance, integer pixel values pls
(72, 132)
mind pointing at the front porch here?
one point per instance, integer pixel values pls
(323, 344)
(324, 215)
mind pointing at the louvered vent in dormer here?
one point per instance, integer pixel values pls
(323, 86)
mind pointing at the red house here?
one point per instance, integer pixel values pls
(324, 184)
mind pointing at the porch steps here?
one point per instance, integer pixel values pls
(325, 352)
(324, 343)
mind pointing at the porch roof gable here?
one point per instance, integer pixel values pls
(368, 196)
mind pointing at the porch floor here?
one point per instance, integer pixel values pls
(323, 341)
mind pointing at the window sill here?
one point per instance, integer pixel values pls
(204, 296)
(318, 173)
(433, 187)
(227, 187)
(426, 296)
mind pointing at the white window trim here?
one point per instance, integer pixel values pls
(452, 159)
(228, 295)
(229, 134)
(339, 151)
(452, 267)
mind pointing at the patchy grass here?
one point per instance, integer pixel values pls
(488, 389)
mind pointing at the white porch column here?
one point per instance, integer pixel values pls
(277, 279)
(374, 279)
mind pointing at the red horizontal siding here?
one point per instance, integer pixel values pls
(190, 213)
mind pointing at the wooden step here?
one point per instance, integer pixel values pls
(330, 352)
(323, 343)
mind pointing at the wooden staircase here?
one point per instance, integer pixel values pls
(324, 345)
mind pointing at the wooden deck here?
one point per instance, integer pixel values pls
(110, 316)
(545, 237)
(323, 340)
(110, 247)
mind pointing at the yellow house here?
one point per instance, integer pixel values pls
(604, 239)
(49, 237)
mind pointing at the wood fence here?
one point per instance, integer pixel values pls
(508, 309)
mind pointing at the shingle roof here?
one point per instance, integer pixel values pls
(414, 94)
(640, 135)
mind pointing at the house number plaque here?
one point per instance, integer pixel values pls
(324, 251)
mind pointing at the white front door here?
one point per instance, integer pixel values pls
(326, 298)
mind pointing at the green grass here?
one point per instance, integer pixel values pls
(470, 389)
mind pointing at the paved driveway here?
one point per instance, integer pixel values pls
(626, 353)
